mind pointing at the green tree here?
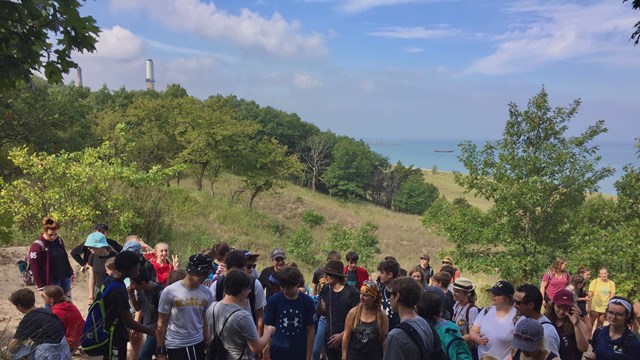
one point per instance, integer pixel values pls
(635, 36)
(415, 195)
(535, 177)
(42, 34)
(349, 174)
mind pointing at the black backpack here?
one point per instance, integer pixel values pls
(252, 294)
(436, 352)
(216, 350)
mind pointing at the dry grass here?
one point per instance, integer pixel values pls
(445, 182)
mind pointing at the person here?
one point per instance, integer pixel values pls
(388, 270)
(405, 293)
(465, 310)
(48, 259)
(234, 325)
(81, 253)
(566, 317)
(135, 245)
(100, 252)
(110, 266)
(429, 307)
(616, 341)
(278, 257)
(356, 275)
(583, 298)
(252, 260)
(236, 259)
(493, 328)
(159, 258)
(426, 268)
(318, 281)
(601, 290)
(418, 275)
(291, 313)
(181, 313)
(116, 304)
(528, 304)
(337, 298)
(528, 341)
(146, 299)
(218, 253)
(447, 261)
(41, 327)
(366, 326)
(554, 279)
(67, 312)
(442, 280)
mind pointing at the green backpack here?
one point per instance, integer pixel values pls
(452, 342)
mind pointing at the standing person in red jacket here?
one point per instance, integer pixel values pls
(48, 259)
(67, 312)
(356, 275)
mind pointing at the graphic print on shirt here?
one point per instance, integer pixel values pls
(192, 301)
(291, 322)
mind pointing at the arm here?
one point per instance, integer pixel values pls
(580, 329)
(347, 333)
(92, 281)
(161, 331)
(258, 345)
(311, 335)
(37, 260)
(131, 324)
(76, 254)
(477, 336)
(260, 321)
(383, 334)
(134, 301)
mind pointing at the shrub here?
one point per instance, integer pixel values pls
(312, 218)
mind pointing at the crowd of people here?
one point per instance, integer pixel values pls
(221, 307)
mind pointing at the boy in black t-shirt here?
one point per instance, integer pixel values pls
(146, 299)
(116, 305)
(40, 326)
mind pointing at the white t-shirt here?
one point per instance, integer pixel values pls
(551, 337)
(261, 297)
(186, 309)
(499, 331)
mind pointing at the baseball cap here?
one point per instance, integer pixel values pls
(527, 335)
(277, 252)
(200, 263)
(563, 297)
(502, 287)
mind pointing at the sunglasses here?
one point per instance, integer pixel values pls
(447, 262)
(251, 266)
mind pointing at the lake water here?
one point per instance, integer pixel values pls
(421, 153)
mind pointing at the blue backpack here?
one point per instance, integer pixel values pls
(96, 339)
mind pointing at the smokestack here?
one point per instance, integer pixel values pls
(79, 77)
(150, 81)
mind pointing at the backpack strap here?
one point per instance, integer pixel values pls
(219, 287)
(415, 337)
(215, 333)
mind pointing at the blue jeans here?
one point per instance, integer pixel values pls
(318, 343)
(65, 284)
(148, 348)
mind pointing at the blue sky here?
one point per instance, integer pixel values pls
(381, 68)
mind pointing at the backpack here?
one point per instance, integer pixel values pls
(25, 267)
(436, 352)
(216, 350)
(454, 345)
(252, 294)
(95, 337)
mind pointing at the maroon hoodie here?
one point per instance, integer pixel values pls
(40, 262)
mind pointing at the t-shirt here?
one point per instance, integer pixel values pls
(602, 293)
(624, 347)
(401, 346)
(186, 309)
(239, 329)
(149, 301)
(364, 343)
(97, 267)
(555, 284)
(58, 262)
(264, 279)
(394, 318)
(162, 271)
(261, 299)
(551, 337)
(461, 318)
(498, 330)
(338, 305)
(291, 318)
(40, 326)
(568, 344)
(72, 321)
(352, 277)
(116, 301)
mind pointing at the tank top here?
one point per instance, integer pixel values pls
(364, 343)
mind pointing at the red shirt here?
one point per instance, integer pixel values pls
(72, 320)
(163, 270)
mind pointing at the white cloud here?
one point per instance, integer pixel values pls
(418, 32)
(304, 81)
(559, 31)
(248, 29)
(118, 43)
(356, 6)
(413, 49)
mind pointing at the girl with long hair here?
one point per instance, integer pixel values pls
(465, 311)
(366, 326)
(601, 290)
(418, 275)
(566, 318)
(555, 279)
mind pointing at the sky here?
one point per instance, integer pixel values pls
(381, 68)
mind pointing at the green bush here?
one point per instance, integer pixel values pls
(415, 195)
(312, 218)
(301, 246)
